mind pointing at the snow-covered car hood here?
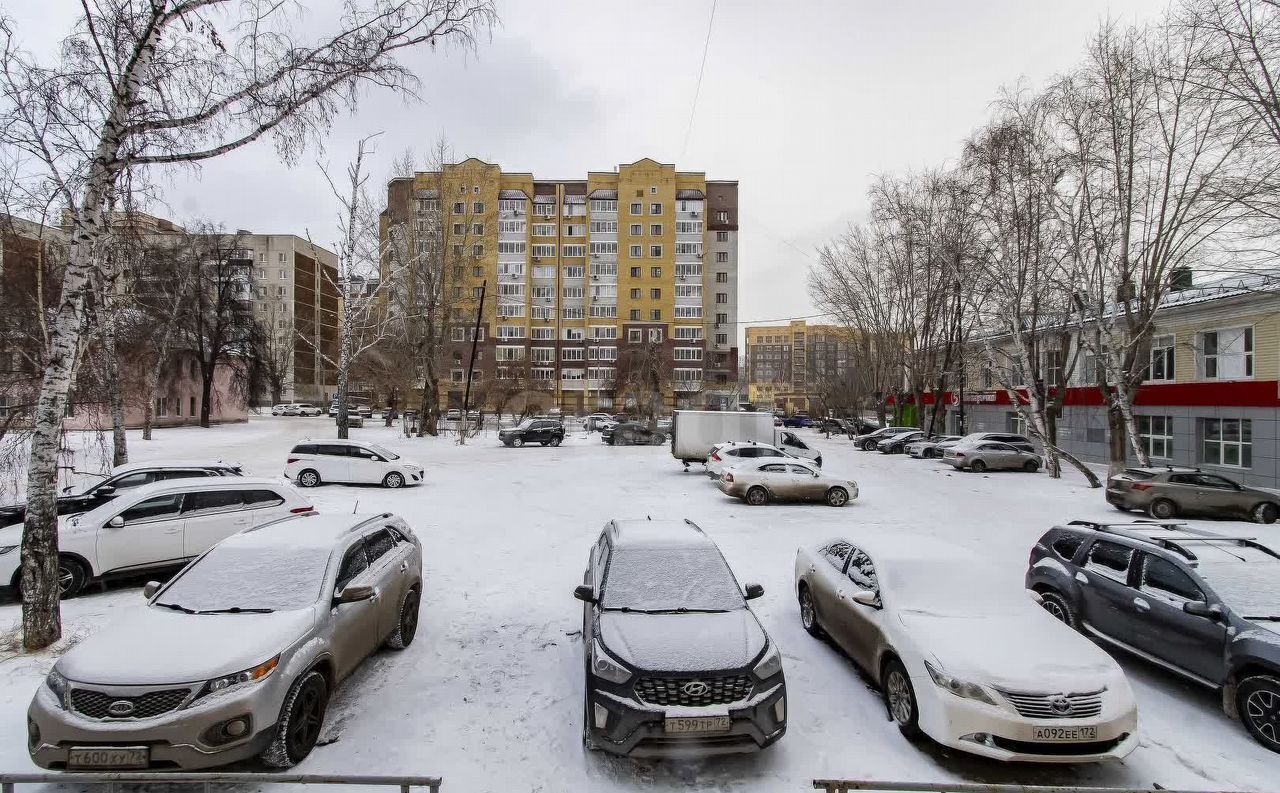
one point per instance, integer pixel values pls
(694, 642)
(155, 646)
(1025, 651)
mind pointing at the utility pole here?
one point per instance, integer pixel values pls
(466, 393)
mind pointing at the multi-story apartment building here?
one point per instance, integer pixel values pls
(582, 277)
(789, 367)
(1211, 398)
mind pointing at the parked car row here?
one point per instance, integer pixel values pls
(296, 409)
(977, 452)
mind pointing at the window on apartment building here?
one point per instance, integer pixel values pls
(655, 230)
(543, 354)
(457, 292)
(637, 208)
(634, 315)
(637, 229)
(722, 338)
(604, 205)
(722, 236)
(637, 251)
(573, 292)
(477, 229)
(279, 291)
(574, 334)
(1156, 435)
(544, 251)
(722, 216)
(544, 229)
(688, 353)
(477, 208)
(459, 334)
(476, 189)
(688, 332)
(191, 404)
(1226, 354)
(635, 335)
(1227, 442)
(655, 208)
(655, 335)
(573, 250)
(455, 376)
(576, 271)
(542, 334)
(280, 257)
(604, 227)
(635, 294)
(262, 273)
(459, 229)
(722, 319)
(459, 208)
(655, 294)
(722, 278)
(655, 251)
(458, 249)
(478, 271)
(574, 230)
(722, 297)
(722, 257)
(476, 291)
(477, 251)
(572, 354)
(1162, 351)
(653, 190)
(1016, 423)
(655, 272)
(635, 272)
(458, 271)
(1054, 364)
(655, 315)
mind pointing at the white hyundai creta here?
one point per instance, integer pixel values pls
(162, 525)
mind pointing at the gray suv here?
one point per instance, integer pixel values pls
(1203, 605)
(676, 663)
(238, 655)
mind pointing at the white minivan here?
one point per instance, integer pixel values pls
(155, 526)
(314, 462)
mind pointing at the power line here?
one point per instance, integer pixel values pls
(698, 88)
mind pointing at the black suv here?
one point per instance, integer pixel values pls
(1203, 605)
(122, 477)
(676, 664)
(547, 432)
(633, 433)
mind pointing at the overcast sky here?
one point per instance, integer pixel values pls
(801, 102)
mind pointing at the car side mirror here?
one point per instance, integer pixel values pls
(116, 522)
(1199, 608)
(754, 591)
(584, 593)
(353, 594)
(66, 489)
(107, 490)
(149, 591)
(867, 598)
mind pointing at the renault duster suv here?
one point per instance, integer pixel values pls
(1202, 605)
(676, 664)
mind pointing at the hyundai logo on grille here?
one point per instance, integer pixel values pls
(121, 707)
(695, 688)
(1060, 704)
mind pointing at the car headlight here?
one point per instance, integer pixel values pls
(58, 685)
(4, 549)
(770, 665)
(604, 666)
(251, 675)
(960, 688)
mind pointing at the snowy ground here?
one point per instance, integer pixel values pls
(489, 696)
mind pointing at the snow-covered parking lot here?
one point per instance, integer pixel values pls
(489, 696)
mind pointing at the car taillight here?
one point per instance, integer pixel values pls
(1141, 486)
(715, 456)
(292, 460)
(728, 477)
(301, 510)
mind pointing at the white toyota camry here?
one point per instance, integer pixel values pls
(962, 657)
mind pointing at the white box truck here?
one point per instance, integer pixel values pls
(694, 432)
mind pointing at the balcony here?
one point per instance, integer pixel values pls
(688, 385)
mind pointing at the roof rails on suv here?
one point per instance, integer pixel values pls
(1141, 530)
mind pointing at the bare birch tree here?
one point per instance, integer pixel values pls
(142, 83)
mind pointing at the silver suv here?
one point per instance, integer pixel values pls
(238, 654)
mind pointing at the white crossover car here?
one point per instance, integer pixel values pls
(760, 481)
(731, 453)
(314, 462)
(161, 525)
(963, 658)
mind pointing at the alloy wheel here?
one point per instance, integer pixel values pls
(1055, 610)
(305, 721)
(409, 618)
(837, 497)
(1262, 708)
(393, 480)
(899, 697)
(807, 614)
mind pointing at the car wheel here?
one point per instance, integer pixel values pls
(1266, 513)
(1031, 466)
(1162, 509)
(407, 628)
(1057, 606)
(927, 453)
(837, 497)
(977, 466)
(309, 478)
(1258, 702)
(900, 698)
(809, 614)
(71, 576)
(869, 446)
(393, 480)
(517, 442)
(757, 496)
(301, 719)
(556, 441)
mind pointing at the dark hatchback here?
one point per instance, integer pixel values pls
(122, 477)
(1203, 605)
(676, 664)
(546, 432)
(633, 433)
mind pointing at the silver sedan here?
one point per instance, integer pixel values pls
(760, 481)
(991, 455)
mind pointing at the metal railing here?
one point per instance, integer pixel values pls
(850, 785)
(204, 780)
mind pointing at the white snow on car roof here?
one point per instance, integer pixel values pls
(658, 534)
(119, 469)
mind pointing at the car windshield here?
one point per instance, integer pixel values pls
(948, 587)
(670, 579)
(249, 577)
(386, 454)
(1245, 578)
